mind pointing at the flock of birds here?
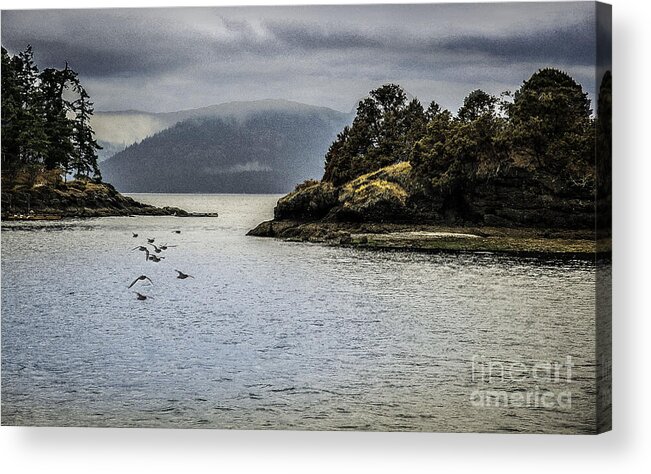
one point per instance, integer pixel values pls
(154, 256)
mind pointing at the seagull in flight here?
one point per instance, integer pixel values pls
(141, 278)
(142, 248)
(134, 235)
(157, 249)
(151, 241)
(182, 276)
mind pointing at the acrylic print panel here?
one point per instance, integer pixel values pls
(308, 218)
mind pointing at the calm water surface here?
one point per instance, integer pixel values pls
(272, 334)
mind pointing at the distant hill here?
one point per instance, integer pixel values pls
(118, 129)
(240, 147)
(115, 131)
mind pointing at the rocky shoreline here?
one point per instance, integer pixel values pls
(435, 238)
(79, 198)
(515, 211)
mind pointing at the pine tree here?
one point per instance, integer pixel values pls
(59, 127)
(29, 126)
(41, 128)
(85, 154)
(383, 132)
(550, 120)
(11, 104)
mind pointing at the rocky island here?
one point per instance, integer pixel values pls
(78, 198)
(519, 176)
(49, 151)
(381, 211)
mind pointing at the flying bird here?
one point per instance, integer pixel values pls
(155, 258)
(151, 241)
(134, 235)
(141, 278)
(182, 276)
(157, 249)
(142, 248)
(165, 246)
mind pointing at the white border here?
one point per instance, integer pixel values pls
(623, 450)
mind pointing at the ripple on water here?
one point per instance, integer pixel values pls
(277, 335)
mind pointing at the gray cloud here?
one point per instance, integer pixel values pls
(168, 59)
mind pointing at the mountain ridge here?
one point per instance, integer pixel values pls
(116, 130)
(237, 147)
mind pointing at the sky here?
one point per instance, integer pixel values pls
(167, 59)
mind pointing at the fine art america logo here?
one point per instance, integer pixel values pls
(516, 384)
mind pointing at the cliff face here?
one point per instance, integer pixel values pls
(510, 197)
(78, 198)
(518, 197)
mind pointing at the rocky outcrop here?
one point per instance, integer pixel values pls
(512, 210)
(79, 198)
(374, 197)
(517, 197)
(509, 197)
(439, 238)
(307, 203)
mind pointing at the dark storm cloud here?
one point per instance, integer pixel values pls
(569, 44)
(317, 38)
(100, 61)
(165, 59)
(572, 44)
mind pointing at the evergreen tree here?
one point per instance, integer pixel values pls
(477, 104)
(85, 153)
(429, 157)
(58, 126)
(29, 126)
(337, 156)
(383, 132)
(41, 128)
(11, 105)
(550, 120)
(604, 134)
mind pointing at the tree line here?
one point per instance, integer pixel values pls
(545, 126)
(45, 121)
